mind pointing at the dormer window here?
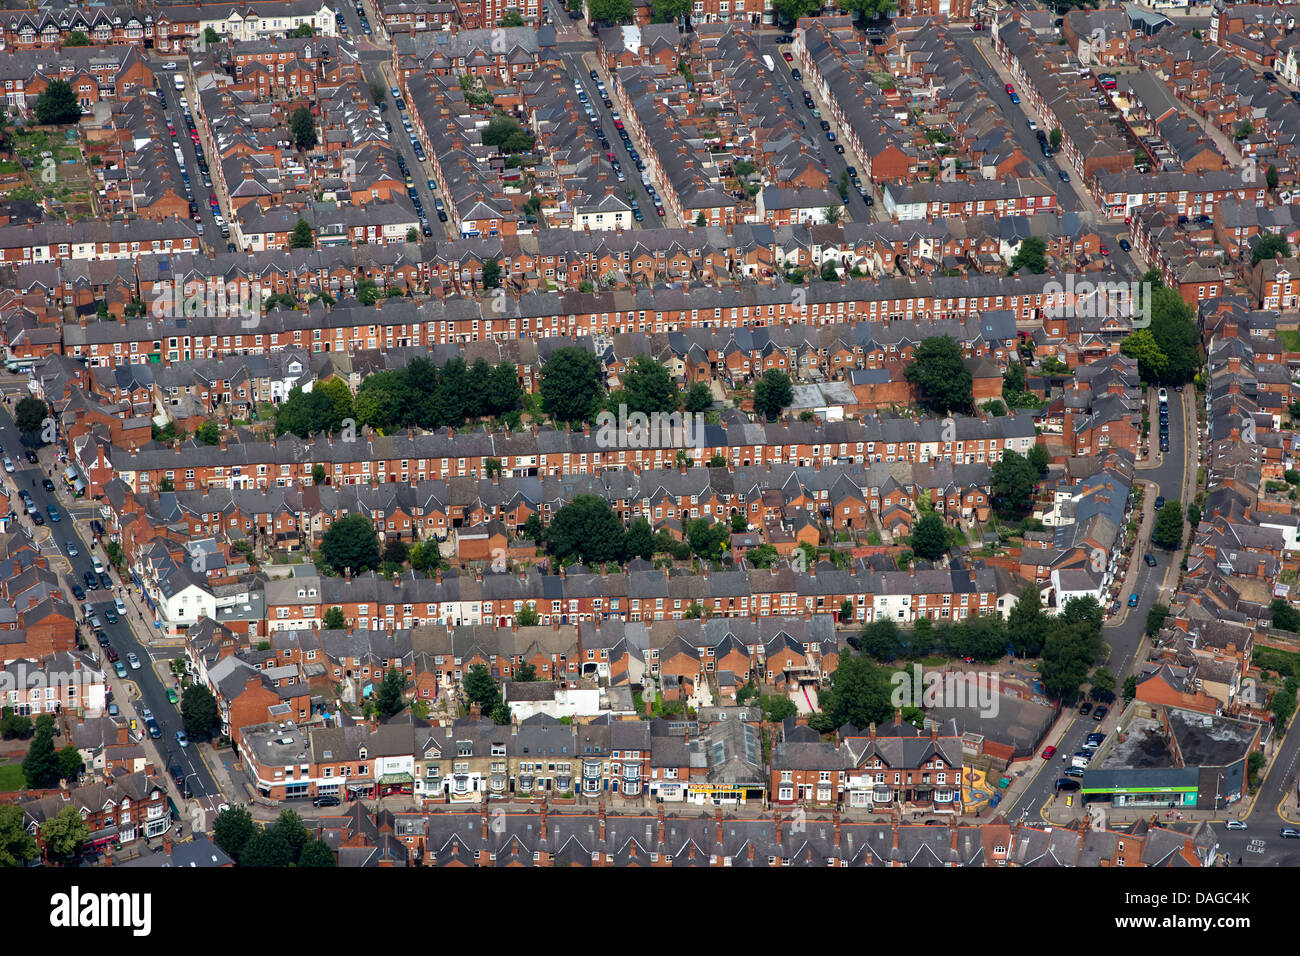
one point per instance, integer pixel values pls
(361, 755)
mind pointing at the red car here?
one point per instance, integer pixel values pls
(1010, 89)
(1104, 251)
(788, 57)
(1049, 753)
(977, 26)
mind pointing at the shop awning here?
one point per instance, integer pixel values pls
(391, 779)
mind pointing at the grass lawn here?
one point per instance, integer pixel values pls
(1290, 338)
(11, 777)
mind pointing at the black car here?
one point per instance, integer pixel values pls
(1099, 713)
(154, 730)
(47, 484)
(92, 582)
(79, 592)
(442, 215)
(1065, 783)
(96, 526)
(1268, 75)
(1085, 707)
(428, 231)
(31, 457)
(1125, 245)
(325, 801)
(1150, 560)
(105, 581)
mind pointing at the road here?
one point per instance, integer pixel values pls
(1125, 631)
(122, 636)
(211, 231)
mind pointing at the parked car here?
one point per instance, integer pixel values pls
(1085, 707)
(172, 696)
(1100, 713)
(1125, 245)
(1065, 177)
(1049, 753)
(1236, 824)
(325, 800)
(1290, 833)
(1133, 600)
(182, 739)
(110, 615)
(92, 581)
(119, 668)
(78, 592)
(133, 661)
(1150, 560)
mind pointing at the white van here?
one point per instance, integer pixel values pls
(1077, 761)
(179, 80)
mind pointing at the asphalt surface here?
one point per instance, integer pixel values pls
(152, 691)
(211, 231)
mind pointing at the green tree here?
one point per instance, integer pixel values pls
(944, 383)
(64, 834)
(586, 529)
(41, 764)
(1054, 138)
(699, 398)
(334, 619)
(396, 551)
(199, 714)
(289, 827)
(481, 688)
(1141, 345)
(665, 11)
(1039, 460)
(14, 725)
(391, 697)
(1130, 687)
(210, 36)
(512, 18)
(209, 433)
(1173, 325)
(649, 387)
(267, 848)
(777, 708)
(413, 235)
(1103, 684)
(868, 10)
(1156, 618)
(302, 236)
(351, 542)
(1271, 176)
(491, 274)
(881, 639)
(772, 393)
(929, 538)
(70, 763)
(232, 830)
(1268, 246)
(571, 385)
(368, 292)
(17, 846)
(1031, 255)
(302, 126)
(301, 32)
(503, 393)
(1012, 482)
(316, 852)
(29, 416)
(790, 11)
(609, 11)
(57, 105)
(1027, 625)
(506, 134)
(527, 617)
(860, 693)
(1168, 532)
(639, 542)
(707, 538)
(1284, 616)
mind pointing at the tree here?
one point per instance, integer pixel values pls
(391, 698)
(413, 235)
(833, 214)
(1039, 459)
(351, 542)
(701, 219)
(209, 433)
(1168, 532)
(396, 550)
(1012, 482)
(1156, 619)
(944, 383)
(302, 237)
(41, 765)
(317, 852)
(1130, 687)
(166, 485)
(506, 134)
(649, 387)
(1268, 246)
(772, 393)
(1174, 328)
(232, 830)
(860, 693)
(527, 617)
(211, 36)
(929, 538)
(334, 620)
(17, 846)
(512, 18)
(868, 10)
(586, 529)
(503, 393)
(14, 725)
(707, 538)
(571, 385)
(881, 639)
(491, 274)
(639, 542)
(1271, 176)
(1054, 137)
(1284, 616)
(665, 11)
(609, 11)
(481, 688)
(57, 105)
(777, 708)
(199, 714)
(1067, 657)
(267, 848)
(1141, 345)
(301, 32)
(1027, 625)
(699, 398)
(1103, 684)
(302, 125)
(69, 762)
(1031, 255)
(789, 11)
(64, 834)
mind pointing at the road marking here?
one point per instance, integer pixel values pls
(1256, 846)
